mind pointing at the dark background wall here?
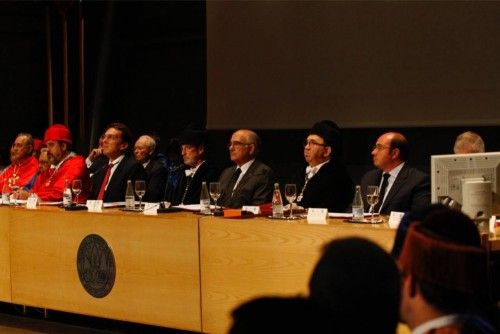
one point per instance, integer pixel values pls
(146, 65)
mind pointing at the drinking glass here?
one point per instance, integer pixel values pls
(140, 190)
(291, 195)
(372, 199)
(76, 188)
(214, 189)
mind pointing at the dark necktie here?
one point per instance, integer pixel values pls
(381, 193)
(104, 182)
(232, 181)
(188, 182)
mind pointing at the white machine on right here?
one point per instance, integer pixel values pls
(470, 180)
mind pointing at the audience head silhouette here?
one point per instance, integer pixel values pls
(277, 315)
(357, 284)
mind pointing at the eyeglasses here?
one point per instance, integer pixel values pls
(380, 147)
(238, 144)
(312, 142)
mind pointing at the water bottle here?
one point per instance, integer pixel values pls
(129, 196)
(357, 205)
(5, 192)
(277, 202)
(67, 195)
(204, 200)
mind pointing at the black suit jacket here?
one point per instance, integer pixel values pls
(331, 187)
(254, 188)
(410, 191)
(156, 180)
(206, 172)
(98, 162)
(127, 169)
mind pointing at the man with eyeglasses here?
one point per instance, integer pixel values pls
(401, 187)
(249, 182)
(23, 164)
(109, 182)
(325, 183)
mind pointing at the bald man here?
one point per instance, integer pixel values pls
(249, 181)
(468, 142)
(402, 188)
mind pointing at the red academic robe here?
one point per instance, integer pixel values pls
(49, 186)
(19, 174)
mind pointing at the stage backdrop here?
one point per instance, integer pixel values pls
(286, 64)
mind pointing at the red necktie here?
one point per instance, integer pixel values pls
(104, 182)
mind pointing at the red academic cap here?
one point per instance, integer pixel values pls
(38, 144)
(58, 132)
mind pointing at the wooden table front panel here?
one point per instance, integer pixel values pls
(5, 295)
(157, 265)
(243, 259)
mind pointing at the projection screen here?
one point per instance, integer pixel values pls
(286, 64)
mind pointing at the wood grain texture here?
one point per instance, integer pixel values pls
(5, 295)
(157, 265)
(243, 259)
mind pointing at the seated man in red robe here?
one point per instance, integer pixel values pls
(23, 165)
(65, 165)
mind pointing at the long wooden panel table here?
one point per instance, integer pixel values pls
(157, 264)
(243, 259)
(177, 270)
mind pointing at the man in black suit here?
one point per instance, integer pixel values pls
(401, 187)
(193, 146)
(109, 182)
(325, 182)
(156, 173)
(249, 182)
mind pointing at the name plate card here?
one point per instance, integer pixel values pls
(317, 216)
(32, 202)
(253, 209)
(151, 209)
(395, 219)
(94, 205)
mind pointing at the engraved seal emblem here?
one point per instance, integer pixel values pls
(96, 266)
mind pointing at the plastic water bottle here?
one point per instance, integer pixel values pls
(204, 200)
(277, 202)
(67, 195)
(357, 205)
(5, 193)
(129, 196)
